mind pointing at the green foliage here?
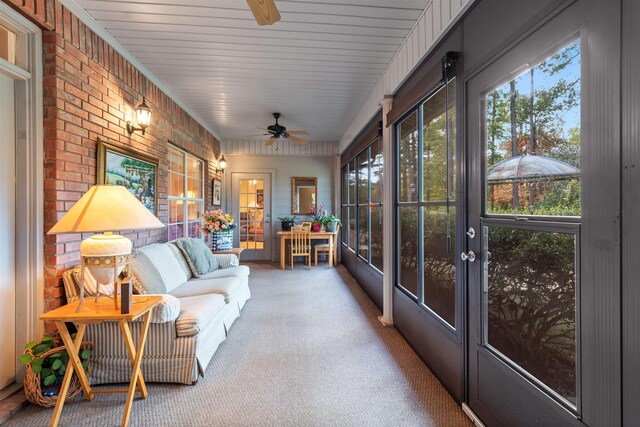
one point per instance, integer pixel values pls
(531, 302)
(52, 367)
(290, 219)
(534, 107)
(330, 218)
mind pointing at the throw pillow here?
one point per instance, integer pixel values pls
(90, 284)
(198, 256)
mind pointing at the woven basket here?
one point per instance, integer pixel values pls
(33, 384)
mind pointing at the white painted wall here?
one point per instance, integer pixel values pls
(437, 18)
(283, 168)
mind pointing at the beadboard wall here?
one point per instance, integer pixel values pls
(281, 148)
(437, 18)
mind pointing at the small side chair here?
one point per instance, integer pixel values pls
(324, 247)
(300, 245)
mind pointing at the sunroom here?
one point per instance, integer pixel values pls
(303, 212)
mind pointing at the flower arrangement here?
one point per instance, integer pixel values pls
(317, 212)
(215, 220)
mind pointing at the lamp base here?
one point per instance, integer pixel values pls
(104, 255)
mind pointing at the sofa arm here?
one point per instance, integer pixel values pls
(167, 311)
(227, 260)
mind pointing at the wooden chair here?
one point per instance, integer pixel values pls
(300, 245)
(324, 247)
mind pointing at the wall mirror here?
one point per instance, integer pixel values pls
(304, 192)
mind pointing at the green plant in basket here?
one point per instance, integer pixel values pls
(52, 367)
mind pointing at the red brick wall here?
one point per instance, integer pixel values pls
(88, 90)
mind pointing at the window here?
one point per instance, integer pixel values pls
(186, 194)
(426, 205)
(533, 152)
(362, 204)
(8, 45)
(351, 219)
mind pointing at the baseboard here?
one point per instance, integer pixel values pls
(472, 416)
(385, 321)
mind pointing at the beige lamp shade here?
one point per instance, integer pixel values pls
(103, 209)
(106, 208)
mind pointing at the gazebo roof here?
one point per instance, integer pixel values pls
(531, 167)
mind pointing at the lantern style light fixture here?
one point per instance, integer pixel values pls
(143, 114)
(222, 165)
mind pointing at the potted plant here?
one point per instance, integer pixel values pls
(317, 213)
(287, 222)
(46, 363)
(331, 222)
(219, 227)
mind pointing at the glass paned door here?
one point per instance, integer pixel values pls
(252, 214)
(536, 197)
(251, 199)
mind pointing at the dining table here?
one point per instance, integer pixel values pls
(330, 236)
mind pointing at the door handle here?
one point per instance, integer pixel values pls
(471, 233)
(470, 256)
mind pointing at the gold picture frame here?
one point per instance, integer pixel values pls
(138, 172)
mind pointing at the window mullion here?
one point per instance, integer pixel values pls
(420, 199)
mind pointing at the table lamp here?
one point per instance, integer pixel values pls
(105, 209)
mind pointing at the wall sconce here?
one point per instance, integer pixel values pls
(222, 165)
(143, 114)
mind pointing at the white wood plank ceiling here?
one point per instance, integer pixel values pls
(316, 65)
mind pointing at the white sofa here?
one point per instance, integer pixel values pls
(194, 317)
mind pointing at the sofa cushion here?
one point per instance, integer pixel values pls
(239, 271)
(157, 269)
(198, 255)
(227, 286)
(181, 259)
(197, 312)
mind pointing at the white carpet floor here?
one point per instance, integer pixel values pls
(308, 350)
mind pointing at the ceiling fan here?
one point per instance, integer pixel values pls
(265, 11)
(276, 131)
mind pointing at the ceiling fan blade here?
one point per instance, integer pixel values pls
(265, 11)
(253, 136)
(297, 140)
(298, 132)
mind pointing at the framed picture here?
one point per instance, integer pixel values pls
(217, 192)
(125, 166)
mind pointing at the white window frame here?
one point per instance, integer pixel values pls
(185, 198)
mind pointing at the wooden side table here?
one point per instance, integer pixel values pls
(96, 312)
(234, 251)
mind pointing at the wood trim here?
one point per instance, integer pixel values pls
(29, 224)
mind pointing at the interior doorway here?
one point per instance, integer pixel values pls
(7, 230)
(251, 207)
(21, 173)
